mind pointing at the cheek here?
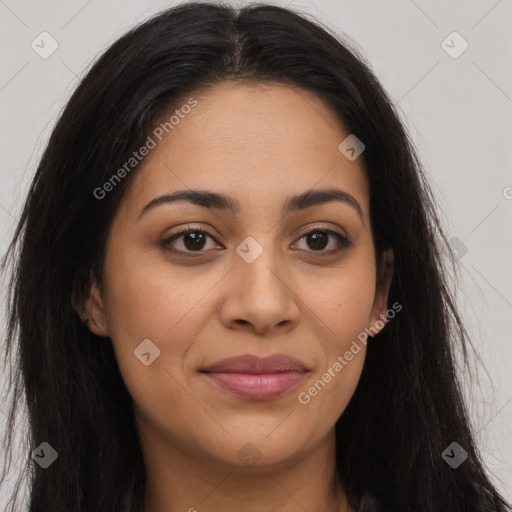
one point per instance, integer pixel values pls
(328, 395)
(345, 310)
(345, 303)
(148, 300)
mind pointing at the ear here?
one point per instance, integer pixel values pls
(378, 318)
(95, 311)
(91, 309)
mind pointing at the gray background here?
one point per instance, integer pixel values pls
(458, 111)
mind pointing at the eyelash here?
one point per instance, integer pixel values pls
(344, 242)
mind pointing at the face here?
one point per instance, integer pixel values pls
(288, 272)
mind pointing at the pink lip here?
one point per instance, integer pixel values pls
(257, 378)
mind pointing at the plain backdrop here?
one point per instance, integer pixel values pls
(457, 107)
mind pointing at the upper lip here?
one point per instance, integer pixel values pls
(256, 365)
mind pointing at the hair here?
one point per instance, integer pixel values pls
(408, 405)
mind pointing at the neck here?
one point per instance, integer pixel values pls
(177, 480)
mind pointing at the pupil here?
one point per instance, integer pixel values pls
(195, 237)
(315, 237)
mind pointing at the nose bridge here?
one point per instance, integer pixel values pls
(259, 263)
(260, 294)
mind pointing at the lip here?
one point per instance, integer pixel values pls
(257, 378)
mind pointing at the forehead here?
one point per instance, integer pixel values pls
(263, 141)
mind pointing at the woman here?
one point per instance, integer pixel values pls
(229, 292)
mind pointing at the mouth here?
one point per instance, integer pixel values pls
(256, 378)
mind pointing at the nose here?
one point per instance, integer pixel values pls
(260, 297)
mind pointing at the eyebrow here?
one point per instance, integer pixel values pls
(215, 200)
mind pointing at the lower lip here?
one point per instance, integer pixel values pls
(257, 386)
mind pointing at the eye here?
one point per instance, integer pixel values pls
(195, 239)
(192, 240)
(318, 240)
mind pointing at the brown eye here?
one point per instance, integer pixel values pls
(188, 241)
(318, 240)
(194, 240)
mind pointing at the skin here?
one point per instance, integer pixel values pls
(259, 143)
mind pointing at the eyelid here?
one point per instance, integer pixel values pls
(344, 241)
(183, 230)
(321, 227)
